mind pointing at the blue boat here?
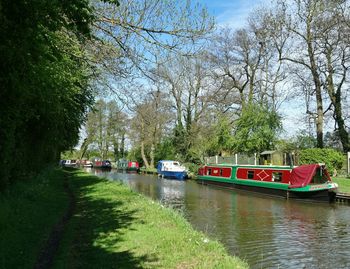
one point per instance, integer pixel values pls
(171, 169)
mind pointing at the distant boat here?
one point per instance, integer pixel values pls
(105, 164)
(305, 182)
(69, 163)
(127, 165)
(86, 163)
(171, 169)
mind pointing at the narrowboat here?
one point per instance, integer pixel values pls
(86, 163)
(69, 163)
(105, 164)
(171, 169)
(129, 166)
(306, 182)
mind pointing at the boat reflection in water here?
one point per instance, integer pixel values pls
(267, 232)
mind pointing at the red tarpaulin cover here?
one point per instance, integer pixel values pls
(302, 175)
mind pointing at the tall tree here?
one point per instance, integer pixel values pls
(148, 125)
(105, 129)
(315, 43)
(185, 78)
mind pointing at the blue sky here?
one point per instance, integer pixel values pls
(231, 13)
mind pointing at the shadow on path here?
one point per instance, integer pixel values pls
(95, 231)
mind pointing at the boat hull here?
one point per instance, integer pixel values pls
(323, 195)
(173, 175)
(102, 166)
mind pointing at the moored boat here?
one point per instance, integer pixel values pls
(86, 163)
(105, 164)
(127, 165)
(171, 169)
(306, 182)
(69, 163)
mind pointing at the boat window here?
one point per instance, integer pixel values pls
(277, 176)
(250, 175)
(209, 172)
(221, 172)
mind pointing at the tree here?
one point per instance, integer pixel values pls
(105, 129)
(222, 140)
(315, 45)
(44, 82)
(135, 35)
(256, 130)
(148, 125)
(245, 66)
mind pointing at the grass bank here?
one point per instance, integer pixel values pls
(112, 227)
(344, 184)
(28, 210)
(117, 228)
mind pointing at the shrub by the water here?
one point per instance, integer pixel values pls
(331, 158)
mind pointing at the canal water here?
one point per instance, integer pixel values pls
(266, 232)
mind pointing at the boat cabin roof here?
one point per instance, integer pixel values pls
(169, 162)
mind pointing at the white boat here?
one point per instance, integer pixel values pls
(171, 169)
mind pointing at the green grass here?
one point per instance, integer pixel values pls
(28, 210)
(148, 170)
(343, 184)
(117, 228)
(112, 227)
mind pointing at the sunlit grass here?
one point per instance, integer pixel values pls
(117, 228)
(148, 170)
(344, 184)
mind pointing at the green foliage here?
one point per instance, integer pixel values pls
(192, 167)
(179, 141)
(332, 158)
(304, 141)
(135, 155)
(222, 140)
(44, 82)
(165, 150)
(256, 129)
(105, 130)
(70, 155)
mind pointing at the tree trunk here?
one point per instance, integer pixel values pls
(152, 156)
(143, 155)
(343, 134)
(335, 96)
(83, 148)
(317, 83)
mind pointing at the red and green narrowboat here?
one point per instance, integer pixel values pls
(306, 182)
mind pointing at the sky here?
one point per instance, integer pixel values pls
(231, 13)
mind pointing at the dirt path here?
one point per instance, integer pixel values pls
(50, 247)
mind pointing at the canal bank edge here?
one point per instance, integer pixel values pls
(111, 227)
(129, 230)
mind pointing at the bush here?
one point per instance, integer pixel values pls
(332, 158)
(192, 167)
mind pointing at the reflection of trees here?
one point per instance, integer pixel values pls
(254, 221)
